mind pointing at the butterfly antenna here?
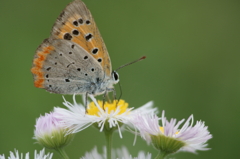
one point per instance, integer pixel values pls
(131, 62)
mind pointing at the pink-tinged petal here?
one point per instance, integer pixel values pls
(191, 137)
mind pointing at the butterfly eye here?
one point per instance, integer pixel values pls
(115, 77)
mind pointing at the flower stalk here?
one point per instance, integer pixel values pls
(108, 136)
(161, 155)
(62, 153)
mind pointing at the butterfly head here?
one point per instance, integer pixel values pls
(115, 77)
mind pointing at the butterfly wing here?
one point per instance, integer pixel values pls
(76, 24)
(63, 67)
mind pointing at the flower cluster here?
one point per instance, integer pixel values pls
(56, 129)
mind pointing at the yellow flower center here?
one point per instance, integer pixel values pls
(162, 130)
(121, 105)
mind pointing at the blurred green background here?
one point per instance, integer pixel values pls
(192, 67)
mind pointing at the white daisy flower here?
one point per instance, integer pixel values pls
(108, 116)
(50, 132)
(121, 153)
(94, 154)
(169, 137)
(40, 155)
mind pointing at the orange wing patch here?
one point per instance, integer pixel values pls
(38, 64)
(84, 32)
(75, 23)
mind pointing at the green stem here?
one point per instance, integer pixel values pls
(108, 135)
(62, 153)
(161, 155)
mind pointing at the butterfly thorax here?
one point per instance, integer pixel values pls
(105, 85)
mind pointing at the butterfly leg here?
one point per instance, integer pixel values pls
(104, 98)
(86, 102)
(108, 98)
(120, 88)
(114, 94)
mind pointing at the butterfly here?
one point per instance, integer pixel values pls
(74, 59)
